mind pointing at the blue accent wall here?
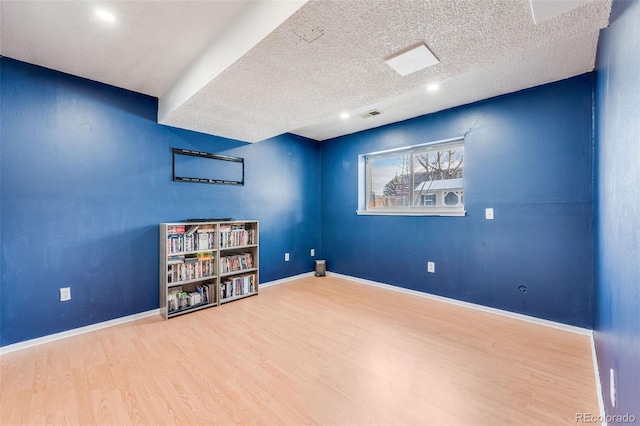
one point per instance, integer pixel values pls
(529, 156)
(85, 174)
(617, 120)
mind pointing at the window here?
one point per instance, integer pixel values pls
(426, 179)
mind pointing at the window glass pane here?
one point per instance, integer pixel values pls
(440, 175)
(390, 182)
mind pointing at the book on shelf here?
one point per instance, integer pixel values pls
(234, 235)
(236, 262)
(191, 268)
(238, 286)
(207, 292)
(175, 229)
(211, 292)
(206, 237)
(200, 290)
(172, 260)
(195, 298)
(199, 237)
(188, 243)
(173, 298)
(178, 300)
(175, 243)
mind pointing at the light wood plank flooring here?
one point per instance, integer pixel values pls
(312, 351)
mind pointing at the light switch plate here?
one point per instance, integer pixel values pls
(65, 294)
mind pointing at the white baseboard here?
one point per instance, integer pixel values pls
(285, 280)
(93, 327)
(596, 369)
(496, 311)
(76, 331)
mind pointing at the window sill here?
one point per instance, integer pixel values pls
(435, 212)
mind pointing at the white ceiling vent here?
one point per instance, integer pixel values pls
(412, 59)
(371, 113)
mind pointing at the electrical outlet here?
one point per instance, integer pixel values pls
(286, 257)
(431, 267)
(612, 387)
(313, 252)
(488, 213)
(65, 294)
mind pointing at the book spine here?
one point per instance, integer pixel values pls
(235, 263)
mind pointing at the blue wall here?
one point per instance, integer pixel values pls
(617, 318)
(529, 156)
(85, 181)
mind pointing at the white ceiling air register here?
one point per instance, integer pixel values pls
(412, 59)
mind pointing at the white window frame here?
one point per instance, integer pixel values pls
(364, 182)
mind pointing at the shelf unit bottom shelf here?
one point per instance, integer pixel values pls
(193, 308)
(232, 298)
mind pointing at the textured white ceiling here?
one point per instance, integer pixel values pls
(326, 58)
(551, 63)
(486, 48)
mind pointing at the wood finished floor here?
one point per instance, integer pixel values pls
(312, 351)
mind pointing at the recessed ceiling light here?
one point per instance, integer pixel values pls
(412, 59)
(105, 16)
(344, 115)
(433, 87)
